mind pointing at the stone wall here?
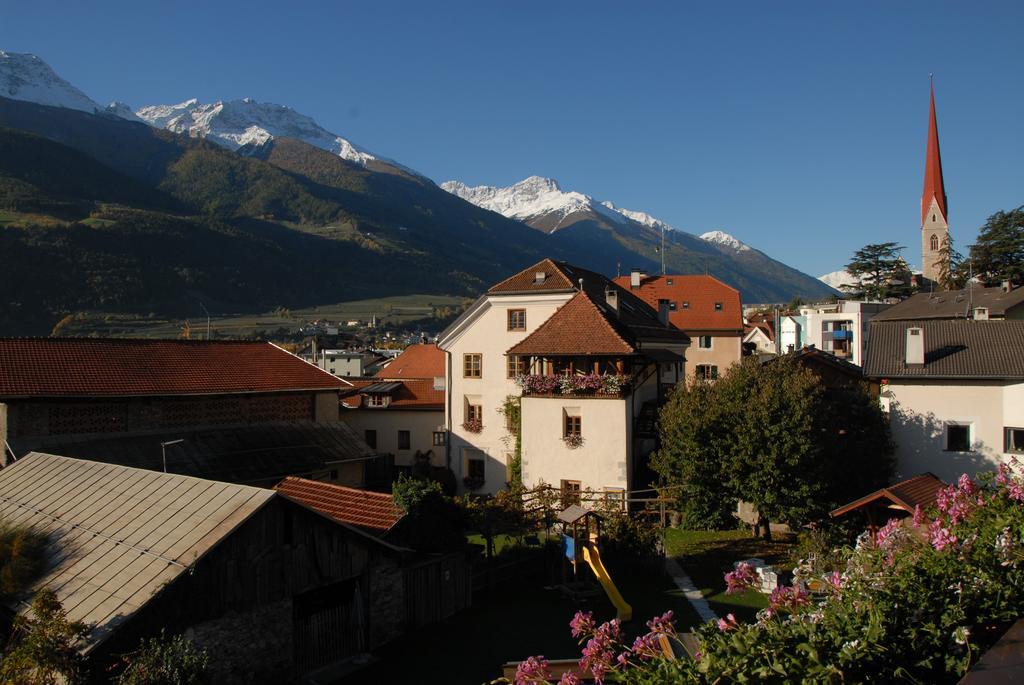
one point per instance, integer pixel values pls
(253, 647)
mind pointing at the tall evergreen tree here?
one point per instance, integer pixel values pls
(948, 266)
(880, 270)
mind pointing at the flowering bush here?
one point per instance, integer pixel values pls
(573, 440)
(572, 384)
(917, 603)
(473, 425)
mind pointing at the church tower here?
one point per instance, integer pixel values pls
(934, 210)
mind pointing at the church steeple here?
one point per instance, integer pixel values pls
(934, 209)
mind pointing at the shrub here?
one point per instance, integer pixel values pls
(165, 661)
(42, 650)
(21, 552)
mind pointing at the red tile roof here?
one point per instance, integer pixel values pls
(933, 187)
(701, 292)
(375, 511)
(917, 491)
(94, 367)
(558, 277)
(762, 326)
(411, 393)
(416, 361)
(577, 328)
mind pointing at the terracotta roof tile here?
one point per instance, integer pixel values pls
(555, 278)
(375, 511)
(416, 361)
(701, 292)
(90, 367)
(578, 327)
(411, 393)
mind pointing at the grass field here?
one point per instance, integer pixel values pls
(398, 310)
(19, 219)
(708, 555)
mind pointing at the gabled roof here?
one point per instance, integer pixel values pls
(373, 511)
(110, 367)
(953, 349)
(917, 491)
(954, 304)
(811, 356)
(416, 361)
(933, 185)
(410, 393)
(117, 535)
(700, 292)
(558, 277)
(751, 330)
(259, 454)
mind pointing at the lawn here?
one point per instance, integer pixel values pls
(510, 624)
(708, 555)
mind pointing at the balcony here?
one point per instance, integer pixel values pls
(596, 385)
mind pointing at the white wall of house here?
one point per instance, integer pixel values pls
(725, 351)
(487, 334)
(791, 333)
(387, 422)
(602, 461)
(921, 411)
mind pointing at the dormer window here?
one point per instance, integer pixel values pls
(377, 401)
(669, 281)
(539, 277)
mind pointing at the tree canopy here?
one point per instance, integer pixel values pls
(774, 435)
(998, 254)
(880, 270)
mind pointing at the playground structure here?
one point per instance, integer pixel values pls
(581, 533)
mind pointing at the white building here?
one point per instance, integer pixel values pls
(593, 358)
(954, 390)
(349, 363)
(840, 328)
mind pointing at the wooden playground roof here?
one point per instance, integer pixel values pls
(574, 513)
(906, 495)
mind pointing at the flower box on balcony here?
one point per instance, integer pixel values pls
(473, 425)
(575, 385)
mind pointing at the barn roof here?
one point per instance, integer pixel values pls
(117, 535)
(111, 367)
(374, 511)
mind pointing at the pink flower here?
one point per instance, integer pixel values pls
(741, 579)
(887, 534)
(941, 538)
(728, 623)
(646, 646)
(533, 671)
(582, 624)
(662, 624)
(835, 580)
(919, 518)
(569, 678)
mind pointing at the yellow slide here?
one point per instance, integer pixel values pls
(593, 557)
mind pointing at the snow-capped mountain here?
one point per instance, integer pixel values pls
(24, 76)
(235, 123)
(122, 110)
(837, 279)
(723, 238)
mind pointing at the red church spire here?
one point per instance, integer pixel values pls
(933, 187)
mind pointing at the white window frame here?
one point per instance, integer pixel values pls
(710, 345)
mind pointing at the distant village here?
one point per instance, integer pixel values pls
(332, 512)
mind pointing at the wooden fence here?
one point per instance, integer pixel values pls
(437, 588)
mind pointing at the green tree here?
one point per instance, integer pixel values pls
(165, 661)
(880, 270)
(433, 521)
(948, 266)
(43, 650)
(771, 434)
(998, 254)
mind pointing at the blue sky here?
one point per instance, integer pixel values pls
(798, 127)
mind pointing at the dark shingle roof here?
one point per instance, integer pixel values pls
(95, 367)
(959, 348)
(953, 304)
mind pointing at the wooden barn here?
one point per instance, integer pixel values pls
(272, 588)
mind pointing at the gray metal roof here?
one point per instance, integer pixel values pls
(954, 348)
(953, 304)
(117, 535)
(381, 388)
(252, 454)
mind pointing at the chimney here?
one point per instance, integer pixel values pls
(635, 277)
(611, 296)
(1006, 285)
(915, 346)
(539, 277)
(981, 313)
(663, 311)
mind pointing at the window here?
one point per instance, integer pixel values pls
(370, 438)
(934, 240)
(570, 492)
(404, 441)
(377, 400)
(958, 437)
(1014, 440)
(706, 371)
(686, 304)
(517, 319)
(475, 469)
(704, 342)
(515, 365)
(669, 281)
(474, 412)
(573, 426)
(440, 438)
(672, 306)
(472, 365)
(718, 306)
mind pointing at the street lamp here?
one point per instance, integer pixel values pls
(163, 449)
